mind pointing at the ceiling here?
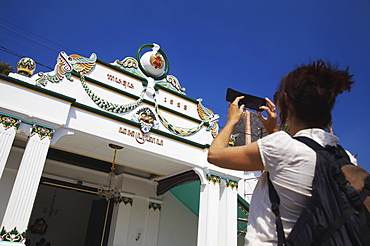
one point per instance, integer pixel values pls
(91, 152)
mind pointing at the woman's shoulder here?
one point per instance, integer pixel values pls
(280, 149)
(275, 139)
(281, 137)
(276, 145)
(319, 135)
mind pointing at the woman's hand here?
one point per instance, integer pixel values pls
(246, 157)
(235, 112)
(270, 123)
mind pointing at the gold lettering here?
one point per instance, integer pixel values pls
(140, 137)
(174, 102)
(130, 133)
(124, 83)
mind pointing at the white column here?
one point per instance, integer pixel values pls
(208, 210)
(18, 211)
(120, 222)
(8, 128)
(152, 225)
(227, 230)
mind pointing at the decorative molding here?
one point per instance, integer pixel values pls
(64, 67)
(8, 122)
(109, 106)
(215, 179)
(232, 184)
(146, 101)
(12, 236)
(26, 66)
(42, 131)
(125, 200)
(155, 206)
(208, 116)
(144, 67)
(246, 212)
(146, 118)
(171, 83)
(175, 129)
(130, 65)
(132, 123)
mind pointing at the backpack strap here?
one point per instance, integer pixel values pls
(366, 190)
(341, 157)
(310, 143)
(275, 202)
(365, 214)
(274, 197)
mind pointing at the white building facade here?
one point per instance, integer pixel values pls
(62, 131)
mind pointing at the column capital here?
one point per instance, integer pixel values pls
(12, 236)
(232, 184)
(9, 121)
(7, 134)
(215, 179)
(155, 206)
(125, 200)
(42, 131)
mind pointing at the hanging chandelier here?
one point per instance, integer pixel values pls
(51, 211)
(109, 190)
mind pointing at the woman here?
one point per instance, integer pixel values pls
(304, 99)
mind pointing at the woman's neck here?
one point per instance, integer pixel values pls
(296, 125)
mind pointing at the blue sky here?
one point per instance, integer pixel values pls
(248, 45)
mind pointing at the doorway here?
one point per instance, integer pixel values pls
(64, 214)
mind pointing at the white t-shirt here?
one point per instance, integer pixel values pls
(291, 165)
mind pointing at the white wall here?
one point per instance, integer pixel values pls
(130, 221)
(178, 225)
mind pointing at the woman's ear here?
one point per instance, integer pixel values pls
(286, 100)
(288, 106)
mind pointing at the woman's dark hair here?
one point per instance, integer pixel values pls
(309, 92)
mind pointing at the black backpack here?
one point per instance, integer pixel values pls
(336, 214)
